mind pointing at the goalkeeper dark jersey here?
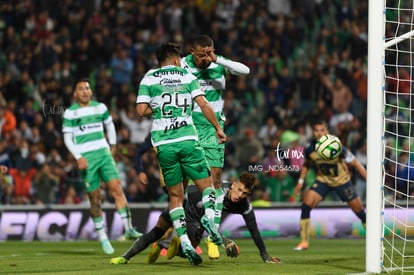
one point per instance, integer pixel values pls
(194, 211)
(330, 172)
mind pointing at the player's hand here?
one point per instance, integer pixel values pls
(221, 136)
(298, 188)
(211, 56)
(82, 163)
(270, 260)
(142, 178)
(232, 249)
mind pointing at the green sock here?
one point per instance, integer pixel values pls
(125, 214)
(100, 228)
(219, 206)
(209, 201)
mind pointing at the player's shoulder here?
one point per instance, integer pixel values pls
(187, 61)
(310, 147)
(71, 110)
(97, 104)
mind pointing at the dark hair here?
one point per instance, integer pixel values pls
(203, 41)
(80, 80)
(320, 122)
(248, 180)
(167, 50)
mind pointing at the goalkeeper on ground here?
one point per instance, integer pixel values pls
(235, 202)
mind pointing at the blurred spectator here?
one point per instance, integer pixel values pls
(260, 197)
(8, 122)
(280, 185)
(45, 186)
(50, 136)
(139, 127)
(6, 189)
(267, 131)
(22, 184)
(70, 196)
(121, 66)
(405, 174)
(360, 183)
(249, 149)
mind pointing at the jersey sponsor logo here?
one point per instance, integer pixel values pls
(170, 82)
(169, 72)
(175, 125)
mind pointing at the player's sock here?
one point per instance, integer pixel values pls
(304, 230)
(125, 214)
(218, 207)
(362, 216)
(143, 242)
(178, 220)
(209, 202)
(130, 232)
(100, 228)
(103, 238)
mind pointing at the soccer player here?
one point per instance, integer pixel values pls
(331, 175)
(84, 137)
(211, 71)
(235, 201)
(167, 93)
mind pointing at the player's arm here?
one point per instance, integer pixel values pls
(302, 176)
(211, 117)
(354, 162)
(234, 67)
(144, 109)
(111, 135)
(68, 140)
(250, 220)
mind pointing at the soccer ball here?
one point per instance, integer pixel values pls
(328, 147)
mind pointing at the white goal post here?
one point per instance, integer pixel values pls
(376, 24)
(390, 137)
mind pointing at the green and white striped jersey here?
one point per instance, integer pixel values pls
(170, 92)
(87, 126)
(213, 83)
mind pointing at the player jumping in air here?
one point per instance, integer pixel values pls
(211, 71)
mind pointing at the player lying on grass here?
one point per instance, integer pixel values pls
(235, 202)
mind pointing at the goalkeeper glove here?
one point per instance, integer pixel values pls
(232, 249)
(268, 259)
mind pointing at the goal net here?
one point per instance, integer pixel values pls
(397, 210)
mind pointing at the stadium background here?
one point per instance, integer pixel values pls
(308, 61)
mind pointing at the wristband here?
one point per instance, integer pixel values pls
(301, 181)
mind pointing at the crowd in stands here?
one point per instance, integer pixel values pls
(308, 61)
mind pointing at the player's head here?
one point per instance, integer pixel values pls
(201, 46)
(82, 91)
(168, 54)
(241, 188)
(320, 128)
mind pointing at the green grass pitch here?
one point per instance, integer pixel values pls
(325, 256)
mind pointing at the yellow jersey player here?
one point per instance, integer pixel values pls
(331, 175)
